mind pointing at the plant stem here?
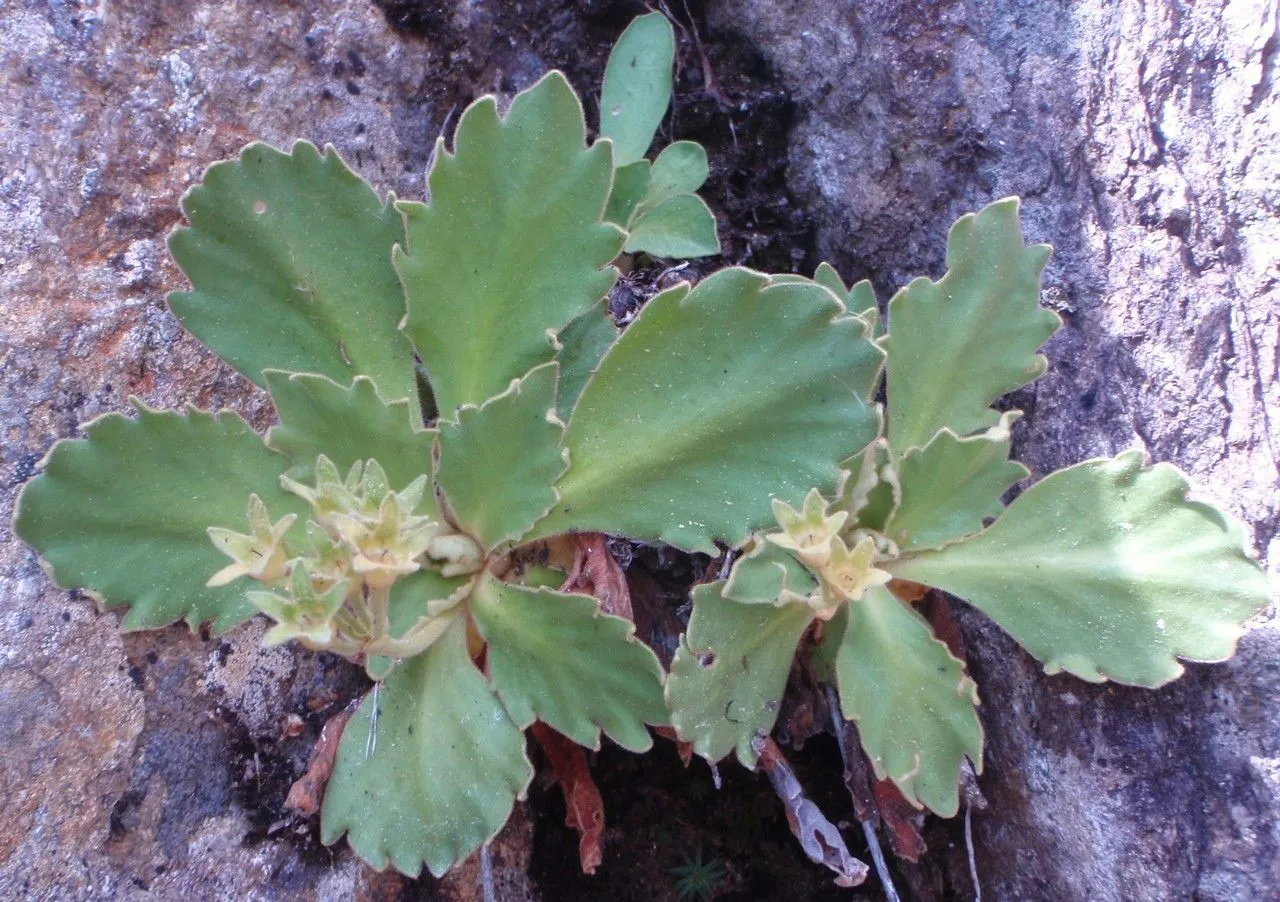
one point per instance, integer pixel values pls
(418, 639)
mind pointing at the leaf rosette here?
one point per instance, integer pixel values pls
(415, 545)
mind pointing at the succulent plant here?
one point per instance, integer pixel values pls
(1105, 570)
(411, 545)
(453, 401)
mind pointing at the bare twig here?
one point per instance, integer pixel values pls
(877, 858)
(708, 75)
(968, 845)
(868, 826)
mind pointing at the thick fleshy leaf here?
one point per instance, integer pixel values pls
(582, 344)
(826, 276)
(434, 772)
(1107, 571)
(555, 657)
(913, 702)
(630, 183)
(289, 257)
(709, 404)
(860, 299)
(346, 424)
(498, 461)
(681, 168)
(871, 491)
(637, 86)
(682, 226)
(956, 345)
(951, 484)
(729, 673)
(124, 513)
(412, 595)
(765, 573)
(511, 244)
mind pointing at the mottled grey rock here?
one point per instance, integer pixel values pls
(1145, 138)
(131, 764)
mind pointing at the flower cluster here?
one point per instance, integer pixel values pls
(332, 589)
(844, 564)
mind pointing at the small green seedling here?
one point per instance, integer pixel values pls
(405, 530)
(697, 879)
(1104, 570)
(654, 201)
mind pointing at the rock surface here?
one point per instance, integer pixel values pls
(131, 764)
(1145, 138)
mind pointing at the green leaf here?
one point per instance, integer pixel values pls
(951, 484)
(637, 86)
(555, 657)
(711, 402)
(870, 492)
(412, 594)
(498, 462)
(346, 424)
(630, 183)
(862, 298)
(1107, 571)
(511, 244)
(956, 345)
(681, 168)
(826, 276)
(729, 673)
(682, 227)
(766, 572)
(913, 702)
(289, 256)
(439, 772)
(125, 512)
(582, 344)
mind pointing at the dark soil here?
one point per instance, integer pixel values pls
(661, 814)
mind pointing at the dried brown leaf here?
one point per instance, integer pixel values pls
(907, 591)
(584, 808)
(595, 572)
(306, 794)
(858, 776)
(684, 749)
(899, 819)
(937, 610)
(802, 712)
